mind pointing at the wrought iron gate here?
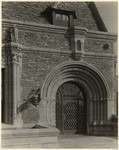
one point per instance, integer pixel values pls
(71, 109)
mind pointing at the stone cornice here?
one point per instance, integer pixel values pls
(58, 29)
(94, 34)
(33, 26)
(53, 51)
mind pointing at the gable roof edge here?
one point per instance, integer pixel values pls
(97, 15)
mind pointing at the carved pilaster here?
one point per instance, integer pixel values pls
(53, 112)
(77, 46)
(43, 111)
(14, 65)
(16, 57)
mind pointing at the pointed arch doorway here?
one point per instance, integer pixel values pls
(71, 108)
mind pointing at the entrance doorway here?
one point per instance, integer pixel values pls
(71, 108)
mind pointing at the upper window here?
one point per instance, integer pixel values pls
(65, 17)
(60, 17)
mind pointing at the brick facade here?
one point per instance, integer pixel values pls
(17, 11)
(44, 47)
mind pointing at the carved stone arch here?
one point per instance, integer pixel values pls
(88, 77)
(61, 70)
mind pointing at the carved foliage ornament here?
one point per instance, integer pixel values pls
(15, 58)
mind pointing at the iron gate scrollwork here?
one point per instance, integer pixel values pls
(71, 108)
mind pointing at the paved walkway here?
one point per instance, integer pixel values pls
(82, 141)
(85, 141)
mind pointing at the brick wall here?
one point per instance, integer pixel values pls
(31, 11)
(36, 64)
(106, 67)
(96, 46)
(35, 67)
(44, 40)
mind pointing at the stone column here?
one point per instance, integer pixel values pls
(53, 112)
(43, 111)
(16, 75)
(47, 112)
(48, 105)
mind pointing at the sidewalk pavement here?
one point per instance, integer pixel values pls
(86, 141)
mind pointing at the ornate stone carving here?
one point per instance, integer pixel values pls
(13, 52)
(15, 57)
(14, 34)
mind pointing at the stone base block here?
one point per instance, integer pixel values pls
(30, 138)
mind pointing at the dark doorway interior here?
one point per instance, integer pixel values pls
(3, 96)
(71, 115)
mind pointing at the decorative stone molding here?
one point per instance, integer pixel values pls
(14, 34)
(51, 51)
(14, 66)
(81, 39)
(15, 58)
(87, 76)
(58, 29)
(66, 66)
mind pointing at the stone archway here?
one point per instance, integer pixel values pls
(89, 78)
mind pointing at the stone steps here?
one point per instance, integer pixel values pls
(30, 138)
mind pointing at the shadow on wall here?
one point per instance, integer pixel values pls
(29, 110)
